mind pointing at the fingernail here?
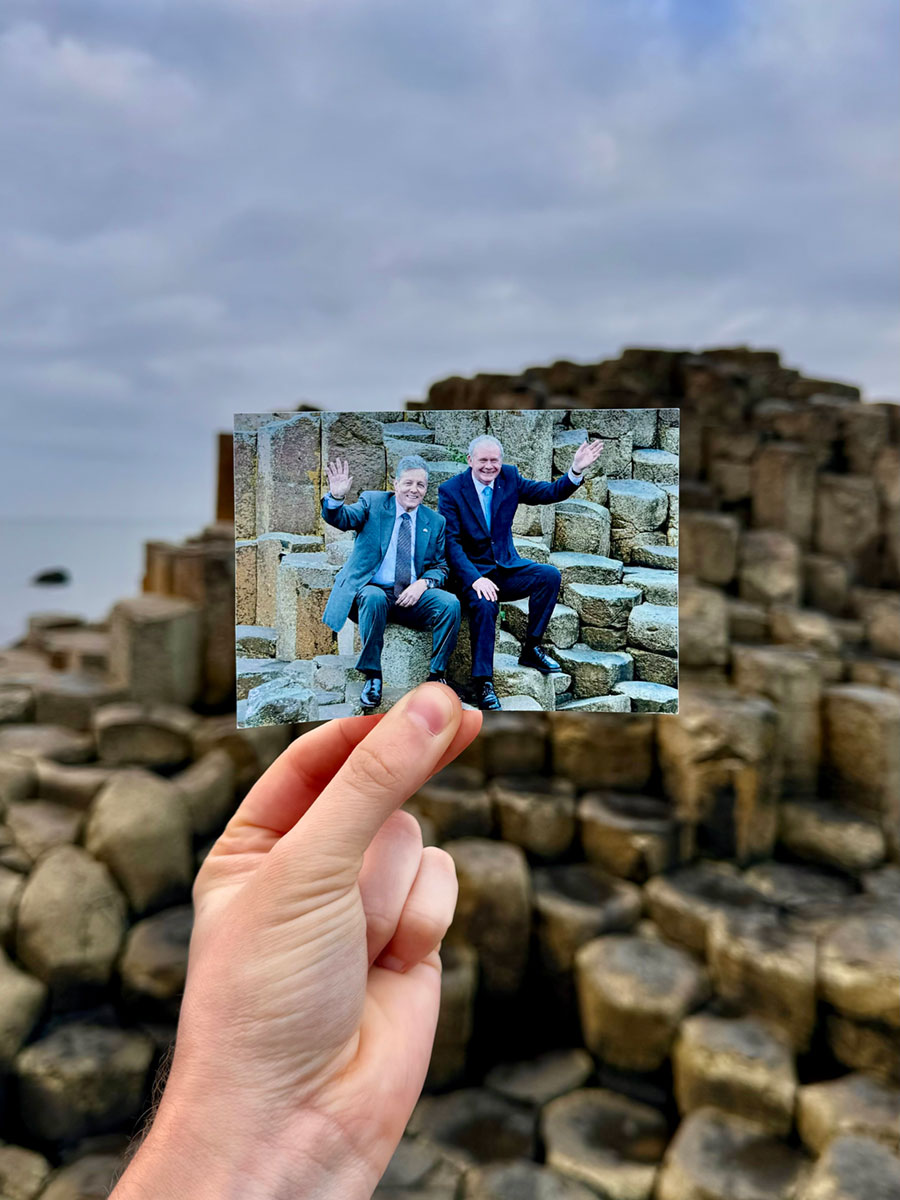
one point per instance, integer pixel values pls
(390, 963)
(431, 708)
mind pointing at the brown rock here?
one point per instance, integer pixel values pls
(854, 1168)
(139, 827)
(289, 471)
(853, 1104)
(75, 786)
(821, 832)
(702, 626)
(684, 904)
(46, 741)
(865, 1046)
(632, 995)
(627, 761)
(715, 1156)
(22, 999)
(18, 779)
(476, 1125)
(71, 921)
(154, 962)
(493, 912)
(155, 649)
(760, 964)
(769, 568)
(709, 546)
(158, 735)
(72, 697)
(859, 972)
(575, 903)
(783, 482)
(38, 825)
(457, 803)
(826, 584)
(740, 1066)
(535, 813)
(631, 836)
(22, 1173)
(541, 1079)
(459, 980)
(208, 788)
(88, 1178)
(846, 523)
(83, 1079)
(862, 739)
(522, 1181)
(606, 1141)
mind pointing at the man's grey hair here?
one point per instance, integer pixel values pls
(485, 437)
(411, 462)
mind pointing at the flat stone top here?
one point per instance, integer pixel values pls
(570, 558)
(660, 969)
(308, 561)
(408, 429)
(636, 487)
(659, 614)
(607, 591)
(255, 631)
(297, 540)
(569, 437)
(649, 575)
(644, 690)
(744, 1037)
(863, 694)
(610, 658)
(655, 456)
(581, 507)
(151, 607)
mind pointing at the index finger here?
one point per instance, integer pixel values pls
(383, 771)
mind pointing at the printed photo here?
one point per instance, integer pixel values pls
(526, 558)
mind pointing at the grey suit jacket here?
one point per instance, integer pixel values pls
(372, 516)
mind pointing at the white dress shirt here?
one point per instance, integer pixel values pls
(387, 571)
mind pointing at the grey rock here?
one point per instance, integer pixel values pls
(654, 627)
(658, 587)
(656, 466)
(586, 568)
(649, 697)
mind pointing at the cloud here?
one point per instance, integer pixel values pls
(227, 206)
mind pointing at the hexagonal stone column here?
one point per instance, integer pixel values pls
(741, 1066)
(288, 475)
(301, 592)
(459, 980)
(582, 527)
(629, 758)
(769, 568)
(493, 912)
(854, 1104)
(859, 969)
(478, 1126)
(575, 903)
(522, 1181)
(760, 964)
(632, 995)
(719, 1157)
(631, 836)
(683, 905)
(456, 802)
(155, 648)
(535, 813)
(862, 748)
(854, 1168)
(605, 1140)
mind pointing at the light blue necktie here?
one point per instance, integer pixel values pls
(486, 498)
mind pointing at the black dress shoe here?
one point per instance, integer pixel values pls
(435, 678)
(370, 696)
(487, 698)
(537, 657)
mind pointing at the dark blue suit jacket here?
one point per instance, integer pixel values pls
(472, 551)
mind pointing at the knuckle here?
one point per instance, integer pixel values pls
(372, 771)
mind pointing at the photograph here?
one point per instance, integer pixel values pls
(529, 559)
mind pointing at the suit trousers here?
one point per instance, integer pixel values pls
(537, 581)
(435, 609)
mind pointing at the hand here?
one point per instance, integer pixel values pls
(485, 588)
(314, 977)
(412, 595)
(339, 478)
(586, 455)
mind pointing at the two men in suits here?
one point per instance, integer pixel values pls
(479, 505)
(396, 570)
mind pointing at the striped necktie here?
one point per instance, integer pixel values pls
(403, 566)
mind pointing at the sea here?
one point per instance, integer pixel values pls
(104, 558)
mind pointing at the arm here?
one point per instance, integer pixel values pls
(345, 516)
(463, 568)
(532, 491)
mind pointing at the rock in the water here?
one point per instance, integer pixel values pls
(83, 1079)
(71, 921)
(139, 827)
(52, 575)
(632, 995)
(606, 1141)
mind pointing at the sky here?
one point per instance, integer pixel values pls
(214, 206)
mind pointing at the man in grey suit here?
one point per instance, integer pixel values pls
(395, 571)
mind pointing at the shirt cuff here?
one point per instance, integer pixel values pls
(330, 501)
(576, 479)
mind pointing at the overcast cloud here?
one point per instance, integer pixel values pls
(233, 205)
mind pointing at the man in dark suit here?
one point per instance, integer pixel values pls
(395, 571)
(479, 505)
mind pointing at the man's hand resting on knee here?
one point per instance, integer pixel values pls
(485, 588)
(314, 977)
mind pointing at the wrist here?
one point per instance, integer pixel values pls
(192, 1149)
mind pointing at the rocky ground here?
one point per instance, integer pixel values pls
(673, 971)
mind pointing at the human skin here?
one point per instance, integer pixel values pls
(313, 979)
